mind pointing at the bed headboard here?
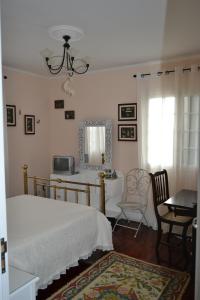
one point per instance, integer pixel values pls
(83, 187)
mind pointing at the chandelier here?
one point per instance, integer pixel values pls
(67, 62)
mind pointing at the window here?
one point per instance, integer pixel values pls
(191, 131)
(160, 131)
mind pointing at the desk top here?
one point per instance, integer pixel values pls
(183, 199)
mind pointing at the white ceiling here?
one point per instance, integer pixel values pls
(117, 32)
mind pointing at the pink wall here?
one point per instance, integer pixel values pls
(97, 96)
(29, 94)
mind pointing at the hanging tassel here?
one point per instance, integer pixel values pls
(66, 87)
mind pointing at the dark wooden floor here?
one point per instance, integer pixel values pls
(142, 248)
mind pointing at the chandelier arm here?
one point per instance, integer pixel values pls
(83, 72)
(76, 71)
(59, 68)
(55, 68)
(55, 72)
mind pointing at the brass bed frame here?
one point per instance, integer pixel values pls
(45, 183)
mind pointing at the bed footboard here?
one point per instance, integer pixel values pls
(83, 187)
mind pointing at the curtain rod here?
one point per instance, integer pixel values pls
(163, 72)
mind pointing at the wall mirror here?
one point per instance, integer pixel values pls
(95, 142)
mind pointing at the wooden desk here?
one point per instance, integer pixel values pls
(183, 199)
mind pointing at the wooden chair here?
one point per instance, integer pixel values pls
(160, 189)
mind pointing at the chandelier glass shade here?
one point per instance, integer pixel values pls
(68, 63)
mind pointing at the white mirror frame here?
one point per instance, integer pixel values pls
(108, 144)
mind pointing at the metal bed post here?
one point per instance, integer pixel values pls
(102, 193)
(35, 185)
(25, 173)
(88, 194)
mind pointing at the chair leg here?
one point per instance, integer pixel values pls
(168, 241)
(138, 228)
(140, 222)
(145, 220)
(118, 218)
(159, 235)
(184, 243)
(123, 212)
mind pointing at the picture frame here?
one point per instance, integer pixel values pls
(127, 132)
(29, 124)
(127, 112)
(11, 115)
(69, 114)
(59, 104)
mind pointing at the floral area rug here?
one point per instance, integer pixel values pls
(120, 277)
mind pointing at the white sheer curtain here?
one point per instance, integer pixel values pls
(169, 108)
(95, 144)
(188, 108)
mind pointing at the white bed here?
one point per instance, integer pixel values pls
(46, 236)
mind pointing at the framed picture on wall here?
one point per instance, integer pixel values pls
(29, 124)
(69, 114)
(59, 103)
(127, 132)
(127, 112)
(11, 115)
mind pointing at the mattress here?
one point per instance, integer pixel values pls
(46, 236)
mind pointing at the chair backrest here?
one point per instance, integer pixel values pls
(160, 188)
(136, 185)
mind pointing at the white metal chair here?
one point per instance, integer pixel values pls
(135, 197)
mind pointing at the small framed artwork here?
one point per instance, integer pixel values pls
(11, 115)
(69, 114)
(127, 132)
(127, 112)
(59, 103)
(29, 124)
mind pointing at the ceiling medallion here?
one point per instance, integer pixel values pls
(57, 32)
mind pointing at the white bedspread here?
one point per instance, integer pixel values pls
(46, 237)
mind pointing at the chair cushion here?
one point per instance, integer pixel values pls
(171, 216)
